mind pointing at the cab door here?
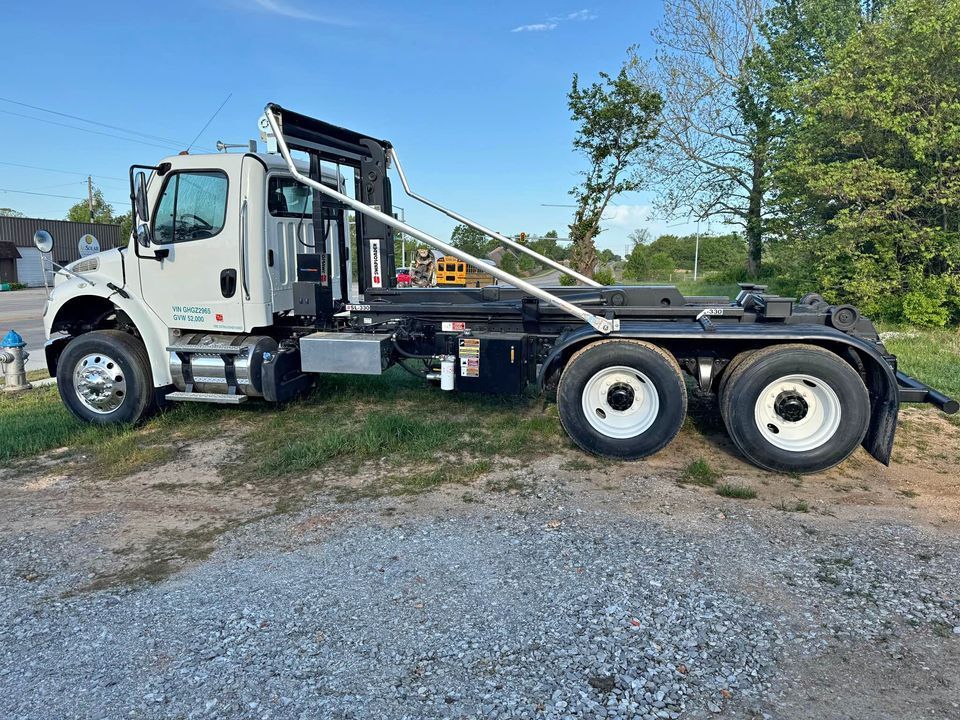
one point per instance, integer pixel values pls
(195, 219)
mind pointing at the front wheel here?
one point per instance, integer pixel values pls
(795, 408)
(104, 378)
(622, 398)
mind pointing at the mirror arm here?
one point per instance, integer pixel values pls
(60, 268)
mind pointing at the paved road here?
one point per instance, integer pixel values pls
(22, 310)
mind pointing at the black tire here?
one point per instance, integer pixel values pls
(824, 416)
(664, 411)
(728, 372)
(117, 359)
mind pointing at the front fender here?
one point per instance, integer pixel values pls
(74, 294)
(881, 380)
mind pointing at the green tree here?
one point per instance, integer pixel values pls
(871, 175)
(548, 246)
(607, 256)
(472, 241)
(126, 225)
(10, 212)
(616, 125)
(646, 263)
(102, 210)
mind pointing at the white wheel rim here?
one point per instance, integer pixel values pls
(636, 402)
(99, 382)
(797, 413)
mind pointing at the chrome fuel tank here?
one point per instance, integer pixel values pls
(224, 364)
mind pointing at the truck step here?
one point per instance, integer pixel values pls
(208, 349)
(206, 397)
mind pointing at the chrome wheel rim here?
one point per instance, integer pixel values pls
(620, 402)
(798, 413)
(100, 383)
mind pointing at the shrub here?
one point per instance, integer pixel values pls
(604, 277)
(567, 280)
(926, 305)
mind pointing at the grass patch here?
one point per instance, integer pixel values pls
(932, 356)
(737, 492)
(799, 506)
(395, 421)
(577, 465)
(699, 472)
(415, 483)
(36, 421)
(392, 423)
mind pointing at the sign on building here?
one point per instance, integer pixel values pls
(88, 245)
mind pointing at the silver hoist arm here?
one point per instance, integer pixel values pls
(486, 231)
(601, 325)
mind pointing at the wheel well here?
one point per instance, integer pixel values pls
(83, 314)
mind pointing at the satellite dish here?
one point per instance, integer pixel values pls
(43, 240)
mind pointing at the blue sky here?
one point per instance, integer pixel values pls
(473, 94)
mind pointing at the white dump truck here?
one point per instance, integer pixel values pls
(248, 274)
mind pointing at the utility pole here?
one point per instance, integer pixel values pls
(90, 196)
(696, 252)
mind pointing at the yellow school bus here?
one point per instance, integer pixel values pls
(452, 272)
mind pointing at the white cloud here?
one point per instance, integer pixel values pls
(284, 9)
(553, 22)
(627, 216)
(535, 27)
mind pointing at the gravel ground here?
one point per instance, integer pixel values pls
(514, 608)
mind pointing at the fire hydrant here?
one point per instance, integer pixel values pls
(13, 360)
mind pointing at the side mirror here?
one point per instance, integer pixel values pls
(140, 197)
(143, 235)
(43, 240)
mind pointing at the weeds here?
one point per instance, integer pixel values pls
(737, 492)
(799, 506)
(699, 472)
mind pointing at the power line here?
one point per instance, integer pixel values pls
(88, 130)
(215, 113)
(54, 170)
(175, 143)
(65, 197)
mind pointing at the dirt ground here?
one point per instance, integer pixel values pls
(154, 523)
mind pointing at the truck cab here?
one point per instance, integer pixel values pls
(214, 254)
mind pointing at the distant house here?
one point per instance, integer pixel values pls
(20, 259)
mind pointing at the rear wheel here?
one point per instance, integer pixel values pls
(622, 398)
(104, 378)
(795, 408)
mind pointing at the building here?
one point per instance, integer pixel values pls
(20, 259)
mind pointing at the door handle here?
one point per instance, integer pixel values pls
(228, 282)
